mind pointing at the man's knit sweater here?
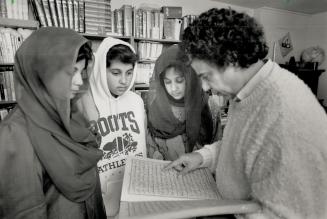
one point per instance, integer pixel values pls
(274, 149)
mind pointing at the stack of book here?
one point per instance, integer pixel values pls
(144, 73)
(172, 22)
(14, 9)
(148, 23)
(164, 23)
(98, 17)
(10, 40)
(60, 13)
(7, 89)
(123, 21)
(149, 50)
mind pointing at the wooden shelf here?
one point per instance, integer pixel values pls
(146, 61)
(6, 67)
(6, 64)
(5, 104)
(16, 23)
(137, 39)
(130, 38)
(101, 37)
(142, 86)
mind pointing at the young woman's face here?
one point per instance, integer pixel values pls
(77, 80)
(119, 77)
(175, 83)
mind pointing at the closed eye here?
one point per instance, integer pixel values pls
(167, 81)
(180, 80)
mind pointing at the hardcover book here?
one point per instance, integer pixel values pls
(148, 191)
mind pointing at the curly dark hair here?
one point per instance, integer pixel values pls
(224, 36)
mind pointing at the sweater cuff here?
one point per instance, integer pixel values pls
(207, 157)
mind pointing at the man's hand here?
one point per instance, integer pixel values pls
(186, 163)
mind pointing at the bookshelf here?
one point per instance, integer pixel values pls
(165, 41)
(6, 65)
(102, 36)
(6, 68)
(17, 23)
(94, 20)
(5, 104)
(150, 29)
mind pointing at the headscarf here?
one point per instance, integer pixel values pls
(161, 120)
(58, 132)
(98, 80)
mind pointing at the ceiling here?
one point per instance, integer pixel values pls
(302, 6)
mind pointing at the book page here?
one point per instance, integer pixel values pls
(144, 180)
(184, 209)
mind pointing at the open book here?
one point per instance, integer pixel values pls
(151, 192)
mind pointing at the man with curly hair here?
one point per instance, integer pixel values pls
(274, 146)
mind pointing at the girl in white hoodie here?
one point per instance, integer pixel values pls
(116, 113)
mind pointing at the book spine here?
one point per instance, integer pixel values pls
(155, 29)
(81, 14)
(25, 9)
(65, 12)
(9, 9)
(120, 24)
(138, 24)
(53, 13)
(19, 10)
(144, 27)
(9, 47)
(161, 24)
(148, 24)
(38, 8)
(15, 9)
(97, 3)
(11, 79)
(2, 51)
(3, 8)
(127, 20)
(46, 9)
(2, 87)
(70, 14)
(76, 16)
(59, 13)
(7, 85)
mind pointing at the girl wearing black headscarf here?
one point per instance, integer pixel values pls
(179, 117)
(48, 156)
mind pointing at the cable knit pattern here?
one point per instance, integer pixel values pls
(274, 150)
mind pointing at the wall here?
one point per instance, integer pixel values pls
(278, 23)
(317, 30)
(194, 7)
